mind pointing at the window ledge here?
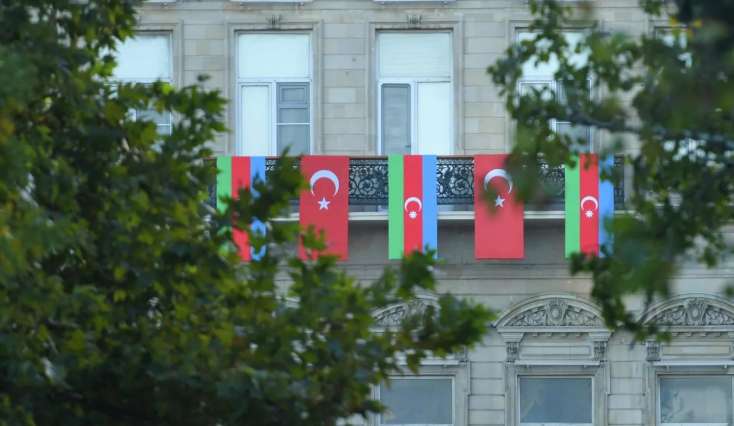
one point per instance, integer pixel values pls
(560, 362)
(703, 363)
(284, 2)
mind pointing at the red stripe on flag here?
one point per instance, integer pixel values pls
(240, 179)
(412, 203)
(325, 204)
(498, 233)
(589, 201)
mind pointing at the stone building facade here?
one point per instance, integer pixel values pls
(368, 77)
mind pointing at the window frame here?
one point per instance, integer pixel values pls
(272, 84)
(555, 376)
(378, 417)
(553, 83)
(413, 83)
(170, 34)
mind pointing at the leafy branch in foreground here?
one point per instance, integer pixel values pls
(662, 100)
(120, 301)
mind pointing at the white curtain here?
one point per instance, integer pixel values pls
(273, 56)
(146, 57)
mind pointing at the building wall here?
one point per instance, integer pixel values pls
(344, 123)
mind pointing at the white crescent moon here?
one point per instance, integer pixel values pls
(413, 200)
(324, 174)
(498, 173)
(592, 199)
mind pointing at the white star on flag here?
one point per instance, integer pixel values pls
(589, 214)
(323, 204)
(499, 202)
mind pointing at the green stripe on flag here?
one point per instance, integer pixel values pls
(224, 180)
(573, 210)
(395, 206)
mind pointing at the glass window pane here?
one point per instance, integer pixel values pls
(434, 118)
(547, 69)
(696, 400)
(154, 116)
(555, 400)
(395, 118)
(575, 132)
(164, 129)
(294, 136)
(416, 54)
(256, 121)
(144, 57)
(293, 105)
(293, 115)
(417, 401)
(273, 56)
(545, 88)
(293, 93)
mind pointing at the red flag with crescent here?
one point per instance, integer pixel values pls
(498, 231)
(324, 204)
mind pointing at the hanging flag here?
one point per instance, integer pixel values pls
(325, 204)
(412, 204)
(606, 203)
(498, 233)
(233, 174)
(589, 204)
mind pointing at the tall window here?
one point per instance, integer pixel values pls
(418, 401)
(415, 92)
(146, 58)
(542, 76)
(555, 401)
(695, 400)
(274, 93)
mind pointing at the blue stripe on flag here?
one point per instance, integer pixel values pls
(257, 172)
(606, 203)
(430, 205)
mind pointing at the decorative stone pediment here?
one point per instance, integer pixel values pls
(394, 315)
(556, 316)
(695, 312)
(552, 312)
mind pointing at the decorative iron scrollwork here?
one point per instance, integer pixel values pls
(368, 181)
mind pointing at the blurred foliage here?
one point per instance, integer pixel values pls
(664, 100)
(118, 304)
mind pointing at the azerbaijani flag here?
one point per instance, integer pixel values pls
(412, 204)
(234, 173)
(589, 204)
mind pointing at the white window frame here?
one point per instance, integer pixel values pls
(272, 84)
(658, 388)
(553, 84)
(555, 376)
(413, 83)
(147, 81)
(378, 418)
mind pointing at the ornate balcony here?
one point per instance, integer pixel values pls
(368, 183)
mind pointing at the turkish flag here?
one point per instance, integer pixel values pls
(325, 203)
(589, 203)
(498, 233)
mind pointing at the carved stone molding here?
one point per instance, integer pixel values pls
(394, 315)
(555, 313)
(557, 316)
(552, 311)
(689, 313)
(653, 350)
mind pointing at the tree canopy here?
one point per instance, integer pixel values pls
(121, 298)
(665, 101)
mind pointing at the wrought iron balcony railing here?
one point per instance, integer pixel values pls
(455, 178)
